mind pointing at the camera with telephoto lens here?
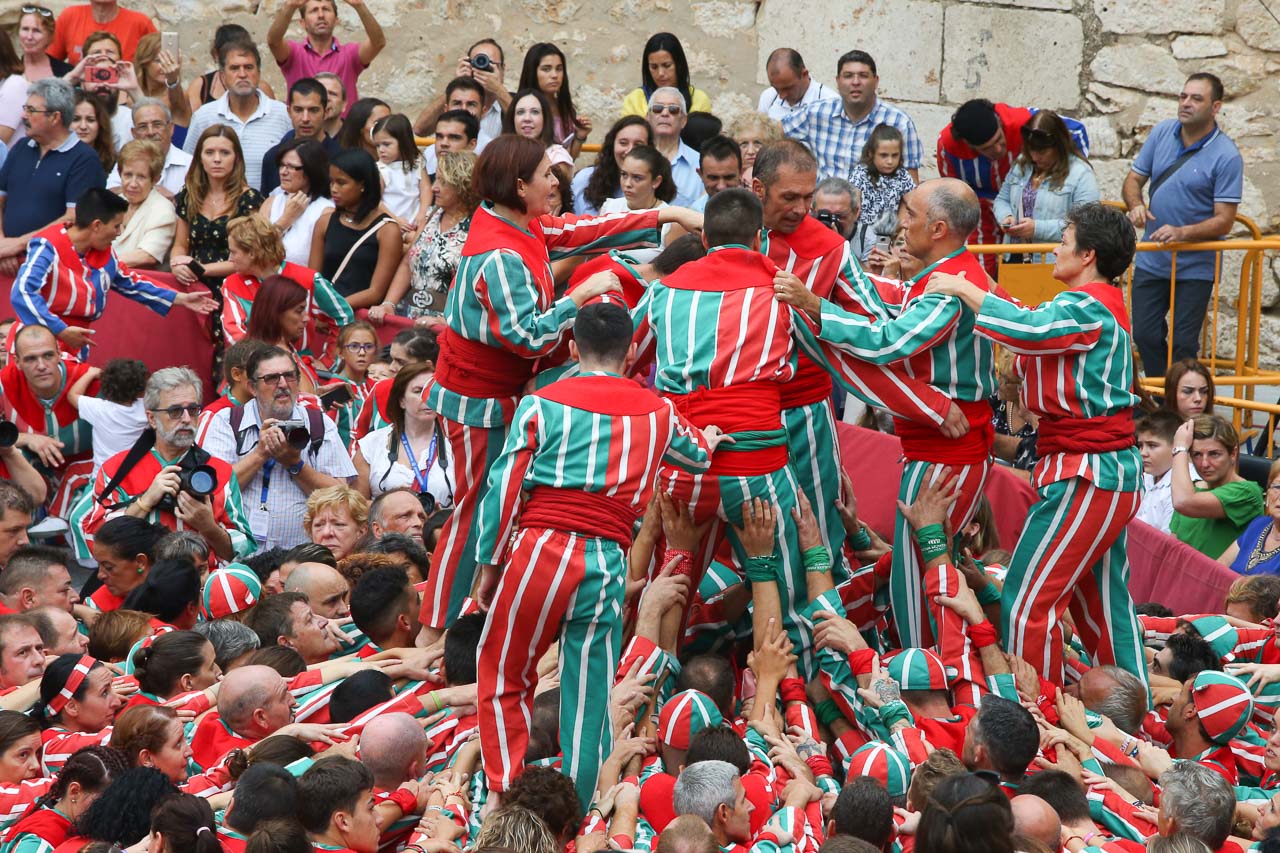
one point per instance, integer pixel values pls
(481, 62)
(8, 434)
(296, 433)
(196, 477)
(828, 219)
(428, 502)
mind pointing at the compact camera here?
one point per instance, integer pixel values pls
(102, 74)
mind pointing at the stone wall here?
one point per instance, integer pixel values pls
(1117, 64)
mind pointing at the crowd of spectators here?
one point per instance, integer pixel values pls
(256, 662)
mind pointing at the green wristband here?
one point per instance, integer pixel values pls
(816, 559)
(761, 569)
(932, 539)
(989, 594)
(827, 712)
(895, 712)
(861, 540)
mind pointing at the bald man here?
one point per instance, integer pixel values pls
(59, 630)
(394, 748)
(1034, 818)
(254, 702)
(326, 590)
(397, 511)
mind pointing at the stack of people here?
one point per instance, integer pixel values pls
(574, 560)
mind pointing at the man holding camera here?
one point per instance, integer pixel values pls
(280, 451)
(171, 482)
(485, 62)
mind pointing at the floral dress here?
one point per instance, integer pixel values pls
(433, 260)
(208, 243)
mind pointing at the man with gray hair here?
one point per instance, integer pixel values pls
(1198, 801)
(836, 204)
(152, 122)
(48, 171)
(713, 791)
(937, 218)
(233, 642)
(668, 114)
(165, 479)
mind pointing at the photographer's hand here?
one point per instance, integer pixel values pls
(166, 482)
(197, 513)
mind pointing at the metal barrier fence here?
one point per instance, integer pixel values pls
(1241, 370)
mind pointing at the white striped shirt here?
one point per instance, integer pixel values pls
(261, 131)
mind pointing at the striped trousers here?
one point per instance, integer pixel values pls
(906, 576)
(814, 454)
(720, 499)
(1071, 554)
(553, 582)
(472, 452)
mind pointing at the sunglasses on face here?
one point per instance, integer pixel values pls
(659, 109)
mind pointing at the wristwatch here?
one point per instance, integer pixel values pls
(295, 470)
(1178, 450)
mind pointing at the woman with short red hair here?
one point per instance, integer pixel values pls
(502, 314)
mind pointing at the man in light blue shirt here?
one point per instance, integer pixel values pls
(1197, 177)
(668, 114)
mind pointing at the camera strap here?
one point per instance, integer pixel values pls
(141, 448)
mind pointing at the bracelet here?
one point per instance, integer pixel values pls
(435, 700)
(861, 540)
(761, 569)
(169, 85)
(816, 560)
(1178, 450)
(932, 539)
(1126, 743)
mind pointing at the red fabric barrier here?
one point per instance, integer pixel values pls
(1160, 567)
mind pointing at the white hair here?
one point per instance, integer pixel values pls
(670, 90)
(703, 787)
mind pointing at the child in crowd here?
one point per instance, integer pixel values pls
(404, 192)
(357, 345)
(880, 175)
(1155, 441)
(379, 370)
(118, 415)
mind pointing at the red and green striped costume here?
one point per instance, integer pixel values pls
(1075, 359)
(822, 260)
(324, 305)
(937, 345)
(586, 450)
(502, 315)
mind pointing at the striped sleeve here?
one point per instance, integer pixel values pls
(15, 799)
(1070, 322)
(927, 321)
(235, 520)
(328, 303)
(496, 514)
(515, 317)
(235, 321)
(29, 842)
(140, 290)
(572, 235)
(687, 448)
(28, 302)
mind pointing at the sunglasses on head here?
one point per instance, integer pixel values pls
(1035, 138)
(37, 10)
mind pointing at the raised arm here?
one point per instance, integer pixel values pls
(375, 40)
(279, 26)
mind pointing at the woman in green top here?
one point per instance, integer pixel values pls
(1210, 513)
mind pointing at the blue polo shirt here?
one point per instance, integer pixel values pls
(38, 190)
(1215, 173)
(684, 173)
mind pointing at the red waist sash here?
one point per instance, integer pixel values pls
(573, 511)
(811, 384)
(478, 370)
(921, 443)
(1086, 435)
(752, 413)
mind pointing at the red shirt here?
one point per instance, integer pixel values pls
(76, 23)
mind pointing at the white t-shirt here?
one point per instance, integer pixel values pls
(1157, 500)
(776, 107)
(385, 474)
(297, 240)
(115, 427)
(400, 189)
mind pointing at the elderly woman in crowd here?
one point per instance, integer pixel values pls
(336, 517)
(752, 131)
(425, 274)
(151, 222)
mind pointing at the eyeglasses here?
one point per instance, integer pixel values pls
(659, 109)
(361, 347)
(290, 167)
(175, 412)
(289, 377)
(30, 110)
(37, 10)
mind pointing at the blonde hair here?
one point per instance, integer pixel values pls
(356, 504)
(769, 130)
(258, 238)
(143, 55)
(519, 829)
(114, 632)
(455, 168)
(146, 151)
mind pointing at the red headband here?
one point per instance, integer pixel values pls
(77, 677)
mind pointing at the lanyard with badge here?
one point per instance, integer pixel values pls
(423, 476)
